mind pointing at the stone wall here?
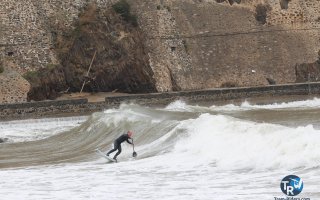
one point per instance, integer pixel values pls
(27, 31)
(203, 44)
(222, 94)
(83, 107)
(49, 109)
(192, 44)
(13, 88)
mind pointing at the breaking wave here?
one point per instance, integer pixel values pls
(178, 134)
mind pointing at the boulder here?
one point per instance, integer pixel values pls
(308, 72)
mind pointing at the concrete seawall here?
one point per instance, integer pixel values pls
(83, 107)
(219, 94)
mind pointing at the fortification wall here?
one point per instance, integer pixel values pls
(28, 29)
(13, 88)
(27, 33)
(209, 44)
(192, 44)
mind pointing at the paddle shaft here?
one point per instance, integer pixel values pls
(132, 145)
(134, 154)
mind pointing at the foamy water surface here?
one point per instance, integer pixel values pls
(184, 152)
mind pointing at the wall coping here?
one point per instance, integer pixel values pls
(43, 103)
(273, 89)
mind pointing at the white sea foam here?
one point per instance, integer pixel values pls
(36, 129)
(231, 143)
(178, 105)
(194, 156)
(305, 104)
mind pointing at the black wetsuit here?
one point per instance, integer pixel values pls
(117, 144)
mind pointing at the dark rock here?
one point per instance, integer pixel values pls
(47, 84)
(284, 4)
(308, 72)
(2, 140)
(262, 13)
(271, 81)
(231, 2)
(229, 84)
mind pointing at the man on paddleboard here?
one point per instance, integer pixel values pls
(117, 143)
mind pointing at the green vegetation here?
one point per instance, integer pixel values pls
(30, 75)
(51, 66)
(168, 8)
(228, 84)
(123, 8)
(186, 47)
(1, 67)
(88, 15)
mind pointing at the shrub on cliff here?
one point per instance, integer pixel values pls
(31, 75)
(1, 68)
(123, 8)
(229, 84)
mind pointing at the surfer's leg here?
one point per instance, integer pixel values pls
(115, 147)
(112, 150)
(119, 151)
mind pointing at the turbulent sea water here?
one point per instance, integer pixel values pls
(184, 152)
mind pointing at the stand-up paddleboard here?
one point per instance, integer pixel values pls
(100, 153)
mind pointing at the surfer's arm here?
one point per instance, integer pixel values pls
(128, 141)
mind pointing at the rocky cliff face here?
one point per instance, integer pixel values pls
(102, 53)
(120, 62)
(179, 44)
(308, 72)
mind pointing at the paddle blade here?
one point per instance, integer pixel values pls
(134, 154)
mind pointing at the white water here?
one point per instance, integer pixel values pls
(185, 152)
(312, 103)
(36, 129)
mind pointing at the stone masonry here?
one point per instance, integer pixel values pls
(27, 31)
(210, 43)
(192, 44)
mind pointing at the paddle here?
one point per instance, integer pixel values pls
(134, 154)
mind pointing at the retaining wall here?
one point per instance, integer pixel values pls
(83, 107)
(219, 94)
(49, 109)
